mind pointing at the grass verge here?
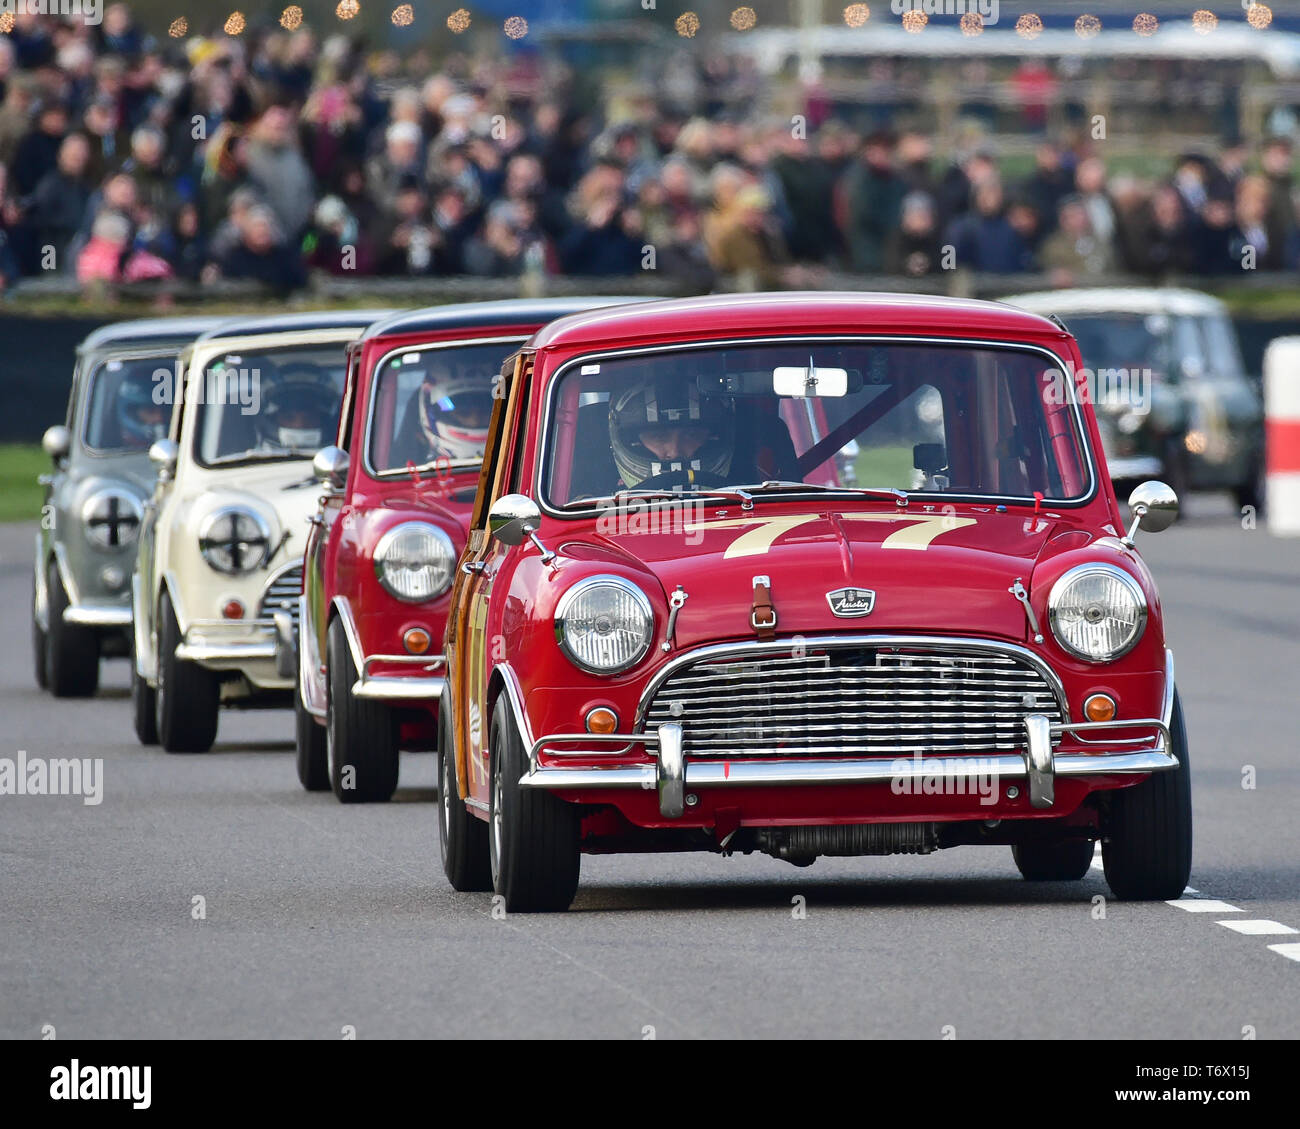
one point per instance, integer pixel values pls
(20, 494)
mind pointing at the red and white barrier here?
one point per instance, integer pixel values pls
(1282, 435)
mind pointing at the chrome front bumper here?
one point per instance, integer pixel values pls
(98, 615)
(229, 642)
(415, 687)
(671, 776)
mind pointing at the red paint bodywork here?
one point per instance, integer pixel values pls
(956, 587)
(340, 548)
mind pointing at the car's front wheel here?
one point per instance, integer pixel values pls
(360, 735)
(1065, 860)
(309, 738)
(189, 696)
(1147, 851)
(38, 647)
(71, 651)
(462, 838)
(144, 705)
(533, 839)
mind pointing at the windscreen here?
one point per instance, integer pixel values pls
(960, 420)
(268, 404)
(129, 405)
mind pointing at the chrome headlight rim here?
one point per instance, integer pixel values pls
(638, 597)
(108, 494)
(262, 538)
(1093, 568)
(385, 543)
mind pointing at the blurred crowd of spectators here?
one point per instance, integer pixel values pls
(277, 154)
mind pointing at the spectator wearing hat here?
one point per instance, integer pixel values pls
(400, 159)
(747, 245)
(38, 151)
(262, 254)
(335, 243)
(914, 247)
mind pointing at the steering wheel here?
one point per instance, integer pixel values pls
(672, 478)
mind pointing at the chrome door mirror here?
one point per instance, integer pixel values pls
(1154, 507)
(163, 455)
(513, 519)
(57, 441)
(330, 466)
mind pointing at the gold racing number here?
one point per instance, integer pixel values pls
(760, 533)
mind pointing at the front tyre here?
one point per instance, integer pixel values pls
(189, 695)
(1147, 851)
(38, 647)
(144, 705)
(71, 651)
(361, 736)
(1066, 860)
(533, 840)
(462, 838)
(309, 739)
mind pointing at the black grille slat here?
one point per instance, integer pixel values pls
(281, 595)
(854, 701)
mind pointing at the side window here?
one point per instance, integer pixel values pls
(505, 398)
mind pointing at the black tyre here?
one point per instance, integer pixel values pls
(533, 839)
(38, 647)
(462, 838)
(1250, 491)
(309, 737)
(188, 695)
(144, 705)
(360, 736)
(71, 651)
(1147, 850)
(1066, 860)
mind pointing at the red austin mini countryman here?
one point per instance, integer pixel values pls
(807, 574)
(384, 543)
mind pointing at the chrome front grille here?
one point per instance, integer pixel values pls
(281, 594)
(857, 700)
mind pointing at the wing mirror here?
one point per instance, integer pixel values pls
(163, 454)
(57, 442)
(330, 466)
(1154, 507)
(513, 519)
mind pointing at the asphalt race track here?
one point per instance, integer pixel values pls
(318, 918)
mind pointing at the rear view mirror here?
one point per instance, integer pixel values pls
(57, 441)
(810, 381)
(330, 466)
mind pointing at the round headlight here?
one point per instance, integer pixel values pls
(604, 624)
(415, 561)
(111, 518)
(1097, 612)
(234, 541)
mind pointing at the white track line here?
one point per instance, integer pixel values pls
(1257, 927)
(1291, 951)
(1202, 905)
(1192, 902)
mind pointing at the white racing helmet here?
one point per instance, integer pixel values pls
(454, 414)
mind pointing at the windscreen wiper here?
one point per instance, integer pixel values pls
(772, 485)
(622, 497)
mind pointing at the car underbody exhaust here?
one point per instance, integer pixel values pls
(802, 845)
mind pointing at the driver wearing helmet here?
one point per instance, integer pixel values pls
(665, 432)
(454, 410)
(298, 410)
(140, 419)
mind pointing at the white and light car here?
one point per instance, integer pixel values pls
(219, 567)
